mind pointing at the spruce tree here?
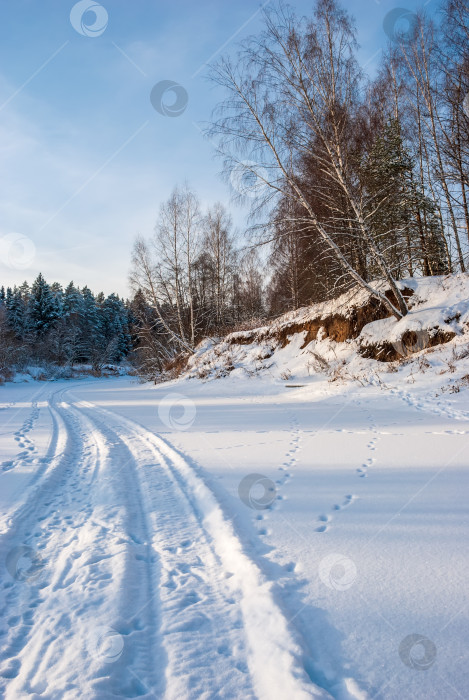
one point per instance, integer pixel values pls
(92, 339)
(385, 176)
(42, 307)
(17, 313)
(58, 294)
(402, 218)
(25, 291)
(115, 326)
(72, 301)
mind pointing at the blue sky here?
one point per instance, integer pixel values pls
(85, 158)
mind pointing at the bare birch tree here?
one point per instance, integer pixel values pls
(218, 245)
(293, 93)
(163, 268)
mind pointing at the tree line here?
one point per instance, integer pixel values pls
(352, 180)
(191, 280)
(45, 323)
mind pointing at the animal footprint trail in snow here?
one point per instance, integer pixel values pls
(429, 405)
(260, 493)
(362, 471)
(325, 520)
(291, 458)
(28, 451)
(371, 446)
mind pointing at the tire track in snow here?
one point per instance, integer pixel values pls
(119, 512)
(274, 658)
(31, 527)
(200, 624)
(57, 625)
(49, 470)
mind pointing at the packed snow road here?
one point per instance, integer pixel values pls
(232, 540)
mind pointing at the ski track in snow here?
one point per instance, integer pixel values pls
(140, 585)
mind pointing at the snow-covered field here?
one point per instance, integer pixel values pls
(233, 539)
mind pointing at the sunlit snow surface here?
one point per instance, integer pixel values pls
(233, 539)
